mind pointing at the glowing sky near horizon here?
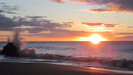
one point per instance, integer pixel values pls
(67, 20)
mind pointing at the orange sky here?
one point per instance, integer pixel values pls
(67, 20)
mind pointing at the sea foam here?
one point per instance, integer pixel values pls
(33, 53)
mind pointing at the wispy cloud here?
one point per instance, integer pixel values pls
(4, 8)
(57, 1)
(104, 6)
(38, 23)
(6, 23)
(78, 1)
(129, 27)
(122, 6)
(36, 16)
(39, 26)
(125, 36)
(99, 24)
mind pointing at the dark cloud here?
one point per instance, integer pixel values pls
(11, 12)
(37, 24)
(1, 11)
(108, 5)
(40, 27)
(47, 28)
(36, 16)
(6, 23)
(98, 24)
(4, 8)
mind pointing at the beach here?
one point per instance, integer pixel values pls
(70, 58)
(11, 68)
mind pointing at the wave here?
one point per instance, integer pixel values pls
(33, 53)
(121, 63)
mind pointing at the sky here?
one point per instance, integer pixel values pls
(67, 20)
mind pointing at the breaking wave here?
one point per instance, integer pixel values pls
(33, 53)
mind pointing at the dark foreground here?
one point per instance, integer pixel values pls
(7, 68)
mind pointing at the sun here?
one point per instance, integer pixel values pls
(94, 38)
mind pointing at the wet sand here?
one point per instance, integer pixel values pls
(9, 68)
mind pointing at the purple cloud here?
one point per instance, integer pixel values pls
(98, 24)
(122, 6)
(110, 25)
(6, 23)
(37, 24)
(92, 24)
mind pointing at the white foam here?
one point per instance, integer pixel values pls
(28, 52)
(17, 40)
(20, 45)
(33, 53)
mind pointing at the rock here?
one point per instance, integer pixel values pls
(10, 50)
(130, 66)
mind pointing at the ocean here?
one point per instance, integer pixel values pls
(107, 55)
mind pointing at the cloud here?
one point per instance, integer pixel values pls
(68, 34)
(122, 6)
(110, 25)
(57, 1)
(78, 1)
(129, 27)
(125, 33)
(124, 36)
(92, 24)
(4, 8)
(49, 26)
(98, 24)
(6, 23)
(39, 26)
(1, 11)
(36, 16)
(36, 24)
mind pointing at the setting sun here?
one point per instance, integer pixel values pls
(94, 38)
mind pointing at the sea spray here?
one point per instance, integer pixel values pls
(23, 51)
(33, 53)
(20, 45)
(17, 40)
(1, 50)
(9, 39)
(30, 52)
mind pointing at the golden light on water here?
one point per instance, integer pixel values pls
(94, 38)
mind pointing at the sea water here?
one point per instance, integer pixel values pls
(107, 54)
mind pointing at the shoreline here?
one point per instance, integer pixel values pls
(14, 68)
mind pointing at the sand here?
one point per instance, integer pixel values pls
(9, 68)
